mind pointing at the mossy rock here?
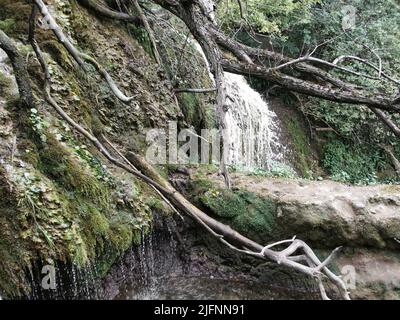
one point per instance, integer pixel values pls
(244, 211)
(301, 146)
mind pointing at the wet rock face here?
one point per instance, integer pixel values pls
(60, 200)
(85, 210)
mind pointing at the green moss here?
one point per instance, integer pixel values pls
(29, 151)
(196, 111)
(5, 84)
(61, 209)
(246, 212)
(121, 235)
(190, 107)
(154, 203)
(300, 145)
(140, 34)
(14, 16)
(58, 53)
(7, 25)
(58, 162)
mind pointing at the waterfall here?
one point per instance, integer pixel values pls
(253, 128)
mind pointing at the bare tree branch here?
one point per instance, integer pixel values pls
(102, 10)
(194, 90)
(379, 69)
(148, 30)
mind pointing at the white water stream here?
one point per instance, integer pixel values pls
(253, 128)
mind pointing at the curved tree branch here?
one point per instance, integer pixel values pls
(114, 88)
(103, 11)
(52, 24)
(194, 90)
(371, 65)
(20, 70)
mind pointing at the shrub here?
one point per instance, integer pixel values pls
(353, 164)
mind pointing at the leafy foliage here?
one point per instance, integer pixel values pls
(276, 169)
(266, 16)
(352, 164)
(297, 27)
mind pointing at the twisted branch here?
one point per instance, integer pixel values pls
(108, 13)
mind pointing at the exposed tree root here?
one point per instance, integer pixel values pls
(194, 90)
(114, 88)
(148, 30)
(102, 10)
(20, 69)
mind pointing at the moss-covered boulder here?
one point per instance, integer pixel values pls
(245, 211)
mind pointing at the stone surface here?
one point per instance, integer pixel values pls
(338, 213)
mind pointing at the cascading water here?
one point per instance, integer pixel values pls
(252, 127)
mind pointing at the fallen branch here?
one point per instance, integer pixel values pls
(352, 96)
(114, 88)
(134, 168)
